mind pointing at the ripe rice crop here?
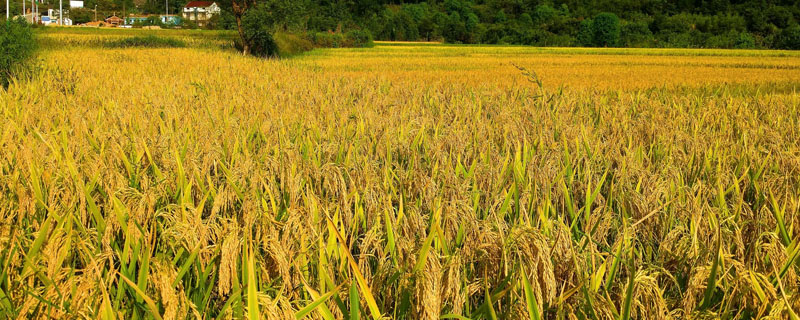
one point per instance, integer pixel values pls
(402, 181)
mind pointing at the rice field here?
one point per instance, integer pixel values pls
(403, 181)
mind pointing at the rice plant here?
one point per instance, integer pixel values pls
(402, 182)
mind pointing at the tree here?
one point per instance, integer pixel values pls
(81, 15)
(790, 38)
(635, 34)
(586, 34)
(500, 17)
(285, 14)
(257, 27)
(745, 41)
(606, 29)
(605, 23)
(455, 30)
(239, 9)
(272, 14)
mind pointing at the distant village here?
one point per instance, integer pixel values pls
(194, 13)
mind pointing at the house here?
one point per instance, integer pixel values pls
(145, 20)
(134, 19)
(54, 15)
(200, 12)
(114, 20)
(53, 20)
(76, 4)
(170, 19)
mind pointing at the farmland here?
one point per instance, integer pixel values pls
(408, 181)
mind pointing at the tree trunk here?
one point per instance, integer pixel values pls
(245, 43)
(239, 8)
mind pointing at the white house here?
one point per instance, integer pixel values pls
(200, 12)
(52, 18)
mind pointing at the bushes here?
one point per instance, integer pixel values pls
(358, 39)
(789, 38)
(149, 41)
(292, 44)
(745, 41)
(17, 46)
(327, 39)
(350, 39)
(731, 40)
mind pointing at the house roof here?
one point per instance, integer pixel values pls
(112, 18)
(199, 4)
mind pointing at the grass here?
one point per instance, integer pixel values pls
(145, 42)
(401, 182)
(75, 37)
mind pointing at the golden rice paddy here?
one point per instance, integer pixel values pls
(403, 182)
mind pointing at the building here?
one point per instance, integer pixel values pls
(171, 20)
(52, 18)
(76, 4)
(114, 20)
(200, 12)
(134, 19)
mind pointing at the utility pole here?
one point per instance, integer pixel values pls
(8, 6)
(95, 13)
(60, 12)
(24, 13)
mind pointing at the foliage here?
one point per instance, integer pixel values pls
(636, 35)
(351, 39)
(189, 24)
(17, 46)
(586, 34)
(291, 44)
(327, 39)
(81, 15)
(283, 15)
(606, 30)
(745, 41)
(649, 23)
(790, 38)
(535, 22)
(258, 24)
(359, 38)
